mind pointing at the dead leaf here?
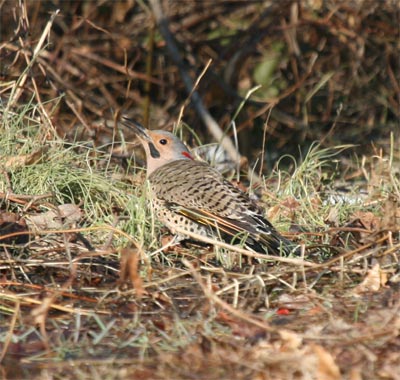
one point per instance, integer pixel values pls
(333, 216)
(8, 217)
(64, 216)
(391, 216)
(367, 219)
(372, 282)
(355, 373)
(15, 162)
(130, 269)
(327, 368)
(290, 340)
(291, 203)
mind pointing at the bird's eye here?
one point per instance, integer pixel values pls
(163, 142)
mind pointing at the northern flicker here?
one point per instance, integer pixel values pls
(192, 196)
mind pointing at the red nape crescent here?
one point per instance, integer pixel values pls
(187, 155)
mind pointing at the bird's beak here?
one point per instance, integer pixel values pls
(138, 128)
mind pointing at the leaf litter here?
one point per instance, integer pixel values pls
(86, 290)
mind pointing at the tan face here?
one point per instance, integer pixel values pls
(161, 148)
(162, 144)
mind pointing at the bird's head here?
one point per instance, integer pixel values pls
(161, 147)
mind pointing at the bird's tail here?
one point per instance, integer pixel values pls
(275, 244)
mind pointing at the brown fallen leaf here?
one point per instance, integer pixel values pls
(327, 369)
(64, 216)
(391, 216)
(290, 340)
(367, 219)
(372, 282)
(15, 162)
(130, 269)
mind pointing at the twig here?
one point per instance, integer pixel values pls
(22, 299)
(115, 66)
(186, 102)
(265, 126)
(243, 251)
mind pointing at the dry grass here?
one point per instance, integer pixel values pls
(86, 289)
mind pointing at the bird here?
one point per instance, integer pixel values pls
(191, 196)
